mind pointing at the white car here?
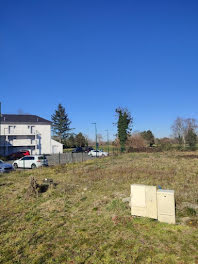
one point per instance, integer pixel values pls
(98, 153)
(89, 153)
(31, 162)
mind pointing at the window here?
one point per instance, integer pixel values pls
(25, 158)
(32, 129)
(28, 158)
(11, 129)
(41, 158)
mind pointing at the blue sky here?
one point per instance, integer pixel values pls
(93, 56)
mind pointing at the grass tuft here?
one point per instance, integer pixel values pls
(84, 220)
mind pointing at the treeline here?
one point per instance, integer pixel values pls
(74, 141)
(184, 133)
(137, 140)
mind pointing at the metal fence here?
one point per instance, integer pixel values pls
(68, 157)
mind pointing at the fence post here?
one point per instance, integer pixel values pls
(59, 157)
(72, 157)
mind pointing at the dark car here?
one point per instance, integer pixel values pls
(5, 167)
(87, 149)
(77, 150)
(18, 155)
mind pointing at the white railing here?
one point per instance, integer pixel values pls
(18, 133)
(22, 142)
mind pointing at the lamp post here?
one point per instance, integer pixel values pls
(96, 138)
(107, 139)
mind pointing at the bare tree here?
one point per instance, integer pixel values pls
(178, 129)
(190, 123)
(181, 127)
(136, 140)
(90, 142)
(116, 143)
(100, 139)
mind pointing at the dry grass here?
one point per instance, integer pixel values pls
(83, 219)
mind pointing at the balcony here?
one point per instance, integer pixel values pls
(19, 133)
(24, 142)
(18, 143)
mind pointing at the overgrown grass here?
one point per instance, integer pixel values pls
(83, 219)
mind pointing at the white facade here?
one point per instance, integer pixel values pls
(35, 137)
(56, 147)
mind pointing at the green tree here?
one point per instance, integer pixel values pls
(149, 137)
(191, 138)
(80, 140)
(70, 142)
(60, 123)
(123, 125)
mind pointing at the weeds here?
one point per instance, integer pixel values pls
(83, 219)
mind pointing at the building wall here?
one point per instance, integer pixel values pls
(33, 137)
(56, 147)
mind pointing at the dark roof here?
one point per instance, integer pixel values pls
(23, 119)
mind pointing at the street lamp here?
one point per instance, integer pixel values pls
(96, 137)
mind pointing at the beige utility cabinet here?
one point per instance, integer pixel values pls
(166, 206)
(144, 200)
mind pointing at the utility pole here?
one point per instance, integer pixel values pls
(96, 138)
(107, 139)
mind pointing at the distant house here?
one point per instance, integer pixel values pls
(27, 132)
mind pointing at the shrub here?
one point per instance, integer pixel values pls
(136, 141)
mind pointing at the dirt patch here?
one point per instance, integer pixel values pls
(147, 150)
(189, 221)
(188, 156)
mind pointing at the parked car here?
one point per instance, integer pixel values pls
(77, 150)
(89, 153)
(5, 167)
(18, 155)
(87, 149)
(31, 162)
(98, 153)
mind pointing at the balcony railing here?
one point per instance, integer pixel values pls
(24, 142)
(18, 133)
(18, 143)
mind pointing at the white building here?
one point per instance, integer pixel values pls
(27, 132)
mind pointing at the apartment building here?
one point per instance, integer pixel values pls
(26, 132)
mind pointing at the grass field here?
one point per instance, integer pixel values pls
(84, 220)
